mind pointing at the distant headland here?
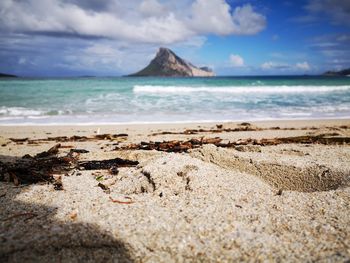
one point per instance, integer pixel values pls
(3, 75)
(344, 72)
(168, 64)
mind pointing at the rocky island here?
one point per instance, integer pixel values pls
(168, 64)
(344, 72)
(2, 75)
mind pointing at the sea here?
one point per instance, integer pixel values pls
(115, 100)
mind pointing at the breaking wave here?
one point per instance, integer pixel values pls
(237, 89)
(19, 111)
(26, 112)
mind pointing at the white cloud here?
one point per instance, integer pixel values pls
(274, 65)
(108, 57)
(146, 21)
(303, 66)
(236, 61)
(279, 66)
(152, 8)
(215, 17)
(211, 16)
(246, 21)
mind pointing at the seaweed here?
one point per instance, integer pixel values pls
(45, 165)
(185, 146)
(75, 138)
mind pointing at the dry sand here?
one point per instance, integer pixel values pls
(288, 202)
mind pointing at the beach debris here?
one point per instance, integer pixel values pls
(122, 202)
(104, 187)
(307, 139)
(99, 178)
(114, 170)
(4, 142)
(107, 164)
(248, 148)
(48, 167)
(279, 192)
(52, 151)
(171, 146)
(217, 130)
(73, 215)
(19, 140)
(244, 126)
(185, 146)
(79, 151)
(39, 168)
(58, 183)
(111, 137)
(107, 182)
(28, 215)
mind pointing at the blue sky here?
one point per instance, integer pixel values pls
(114, 37)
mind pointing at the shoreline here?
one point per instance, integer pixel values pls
(259, 120)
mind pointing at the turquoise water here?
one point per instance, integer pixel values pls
(142, 100)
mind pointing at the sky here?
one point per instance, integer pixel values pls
(114, 37)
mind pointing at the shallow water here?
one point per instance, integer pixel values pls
(142, 100)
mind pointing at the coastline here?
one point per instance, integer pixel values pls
(267, 190)
(89, 128)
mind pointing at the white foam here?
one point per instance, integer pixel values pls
(237, 89)
(19, 111)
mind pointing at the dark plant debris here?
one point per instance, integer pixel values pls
(75, 138)
(28, 216)
(39, 168)
(184, 146)
(218, 130)
(48, 167)
(171, 146)
(244, 126)
(107, 164)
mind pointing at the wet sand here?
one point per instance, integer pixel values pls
(252, 201)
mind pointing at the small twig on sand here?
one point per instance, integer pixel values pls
(30, 216)
(121, 202)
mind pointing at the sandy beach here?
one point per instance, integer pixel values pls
(193, 192)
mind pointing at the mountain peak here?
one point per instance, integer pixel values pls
(168, 64)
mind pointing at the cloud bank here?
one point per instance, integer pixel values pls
(337, 10)
(298, 67)
(147, 21)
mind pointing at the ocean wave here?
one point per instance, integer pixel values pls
(237, 89)
(19, 111)
(30, 113)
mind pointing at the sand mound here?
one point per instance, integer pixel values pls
(169, 175)
(296, 175)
